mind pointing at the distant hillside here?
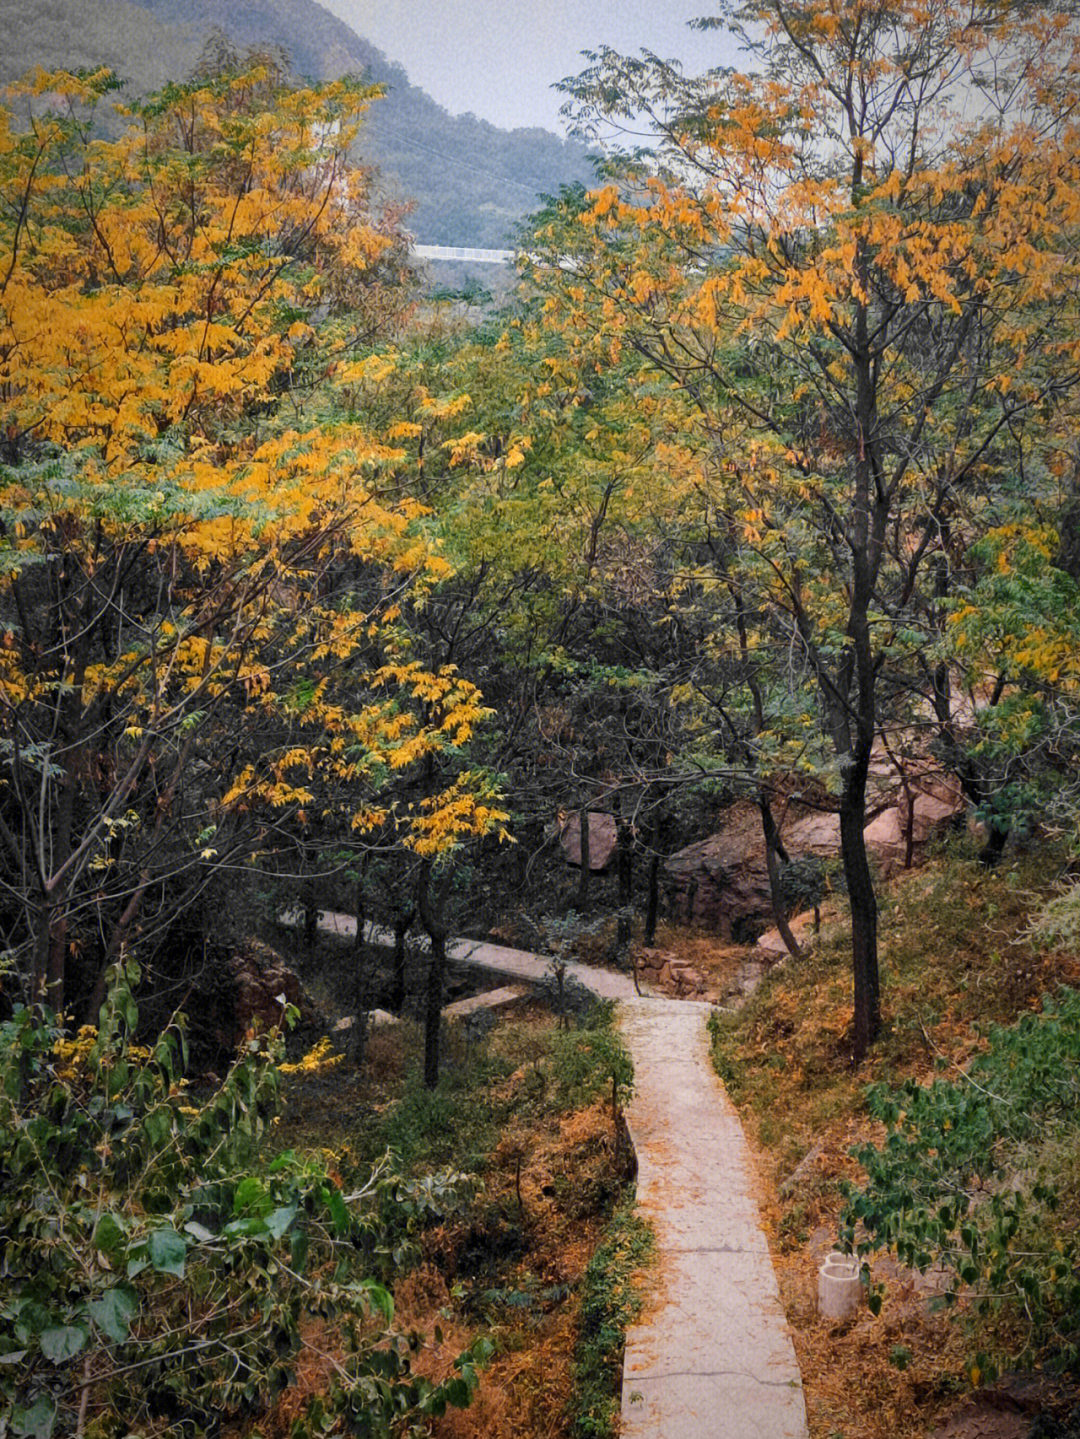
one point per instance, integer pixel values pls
(471, 182)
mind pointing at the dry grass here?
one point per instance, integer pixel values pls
(954, 960)
(564, 1167)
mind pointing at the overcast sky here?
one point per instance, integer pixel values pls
(499, 58)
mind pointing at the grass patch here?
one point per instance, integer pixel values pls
(958, 957)
(526, 1109)
(611, 1300)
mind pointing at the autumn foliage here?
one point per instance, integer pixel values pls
(201, 578)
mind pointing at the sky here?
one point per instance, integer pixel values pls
(499, 58)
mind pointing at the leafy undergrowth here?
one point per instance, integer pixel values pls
(611, 1301)
(532, 1126)
(957, 959)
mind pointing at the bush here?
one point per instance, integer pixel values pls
(610, 1301)
(975, 1174)
(157, 1273)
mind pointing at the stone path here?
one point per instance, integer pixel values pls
(710, 1356)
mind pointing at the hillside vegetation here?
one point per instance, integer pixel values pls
(466, 182)
(759, 499)
(977, 1059)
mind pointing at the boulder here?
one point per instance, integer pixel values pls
(802, 927)
(811, 832)
(651, 961)
(376, 1019)
(932, 814)
(602, 839)
(722, 883)
(262, 983)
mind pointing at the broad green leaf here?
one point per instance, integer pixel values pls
(279, 1221)
(62, 1342)
(338, 1211)
(113, 1312)
(35, 1422)
(167, 1251)
(298, 1249)
(248, 1192)
(109, 1235)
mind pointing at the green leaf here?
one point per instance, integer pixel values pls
(338, 1211)
(298, 1249)
(167, 1251)
(62, 1342)
(380, 1299)
(245, 1228)
(37, 1421)
(248, 1192)
(109, 1235)
(114, 1311)
(280, 1220)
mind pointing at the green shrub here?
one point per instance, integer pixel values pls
(592, 1060)
(975, 1175)
(610, 1302)
(157, 1275)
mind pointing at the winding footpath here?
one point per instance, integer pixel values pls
(710, 1356)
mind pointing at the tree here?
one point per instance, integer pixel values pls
(862, 279)
(197, 579)
(161, 1271)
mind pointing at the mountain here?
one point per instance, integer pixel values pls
(470, 182)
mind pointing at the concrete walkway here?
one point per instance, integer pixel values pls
(710, 1356)
(498, 958)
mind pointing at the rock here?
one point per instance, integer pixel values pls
(812, 832)
(602, 839)
(491, 999)
(933, 813)
(262, 984)
(802, 927)
(722, 883)
(651, 960)
(376, 1018)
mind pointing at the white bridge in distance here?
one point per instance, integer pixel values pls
(476, 256)
(463, 252)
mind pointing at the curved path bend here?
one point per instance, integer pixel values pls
(710, 1356)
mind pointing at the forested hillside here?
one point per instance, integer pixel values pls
(467, 182)
(737, 553)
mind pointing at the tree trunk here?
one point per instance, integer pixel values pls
(652, 908)
(624, 866)
(361, 983)
(864, 909)
(311, 918)
(586, 869)
(436, 932)
(433, 1009)
(42, 977)
(909, 824)
(402, 925)
(865, 533)
(773, 850)
(997, 834)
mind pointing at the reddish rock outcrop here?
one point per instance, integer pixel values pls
(261, 984)
(662, 970)
(602, 839)
(722, 884)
